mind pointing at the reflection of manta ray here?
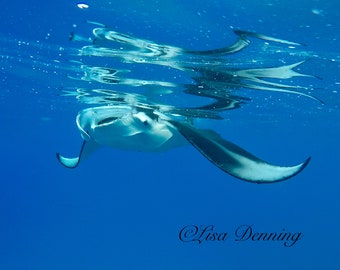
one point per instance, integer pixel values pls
(145, 129)
(211, 70)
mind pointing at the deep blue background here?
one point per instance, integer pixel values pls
(123, 210)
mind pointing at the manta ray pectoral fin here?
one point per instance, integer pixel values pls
(235, 160)
(242, 42)
(239, 45)
(68, 162)
(86, 149)
(246, 34)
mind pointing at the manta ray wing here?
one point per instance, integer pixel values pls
(87, 148)
(235, 160)
(242, 42)
(239, 45)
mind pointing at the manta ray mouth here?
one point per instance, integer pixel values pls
(107, 121)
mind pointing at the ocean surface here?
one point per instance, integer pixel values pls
(174, 209)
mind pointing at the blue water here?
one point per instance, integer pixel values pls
(125, 210)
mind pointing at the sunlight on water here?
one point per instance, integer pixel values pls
(82, 6)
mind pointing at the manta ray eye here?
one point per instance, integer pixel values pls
(107, 121)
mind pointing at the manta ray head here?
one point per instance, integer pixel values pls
(125, 128)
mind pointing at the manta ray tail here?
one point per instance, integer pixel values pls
(235, 160)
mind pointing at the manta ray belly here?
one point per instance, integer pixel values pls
(128, 130)
(157, 138)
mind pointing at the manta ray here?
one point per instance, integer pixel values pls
(148, 130)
